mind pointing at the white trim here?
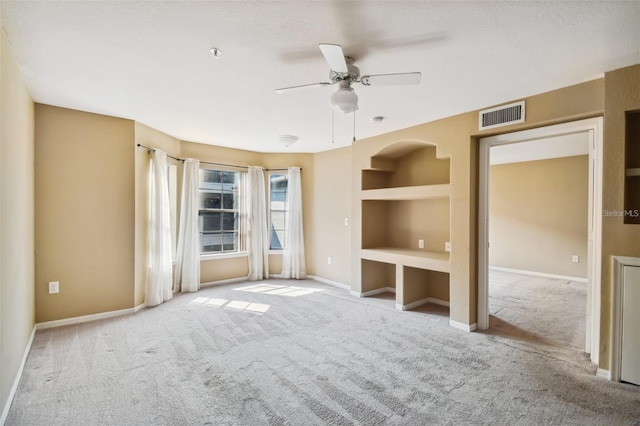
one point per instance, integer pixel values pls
(537, 274)
(373, 292)
(464, 327)
(421, 302)
(617, 271)
(139, 307)
(277, 276)
(438, 301)
(326, 281)
(223, 282)
(601, 372)
(593, 127)
(86, 318)
(218, 256)
(16, 382)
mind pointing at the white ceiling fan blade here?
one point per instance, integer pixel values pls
(334, 56)
(303, 86)
(391, 79)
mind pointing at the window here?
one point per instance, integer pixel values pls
(219, 211)
(278, 186)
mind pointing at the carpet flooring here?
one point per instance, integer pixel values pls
(303, 353)
(539, 308)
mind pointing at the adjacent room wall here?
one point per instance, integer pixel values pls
(17, 311)
(85, 206)
(539, 215)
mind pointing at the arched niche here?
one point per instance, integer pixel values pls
(406, 163)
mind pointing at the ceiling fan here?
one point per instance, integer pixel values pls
(344, 73)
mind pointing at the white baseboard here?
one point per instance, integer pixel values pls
(537, 274)
(421, 302)
(438, 301)
(464, 327)
(87, 318)
(373, 292)
(227, 281)
(14, 387)
(606, 374)
(326, 281)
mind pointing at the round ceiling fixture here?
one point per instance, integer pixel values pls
(216, 52)
(287, 140)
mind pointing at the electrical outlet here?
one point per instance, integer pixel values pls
(576, 259)
(420, 243)
(329, 260)
(54, 287)
(447, 246)
(346, 221)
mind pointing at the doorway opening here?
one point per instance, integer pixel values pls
(578, 279)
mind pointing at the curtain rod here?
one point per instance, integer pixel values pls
(207, 162)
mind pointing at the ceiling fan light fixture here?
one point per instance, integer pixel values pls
(344, 99)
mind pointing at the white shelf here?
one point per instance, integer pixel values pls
(633, 172)
(421, 192)
(421, 259)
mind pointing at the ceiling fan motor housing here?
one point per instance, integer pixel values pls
(353, 72)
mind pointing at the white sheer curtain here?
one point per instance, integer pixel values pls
(158, 288)
(187, 271)
(258, 232)
(293, 263)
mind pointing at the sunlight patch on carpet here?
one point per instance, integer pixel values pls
(282, 290)
(231, 304)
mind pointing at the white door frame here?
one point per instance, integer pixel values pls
(593, 128)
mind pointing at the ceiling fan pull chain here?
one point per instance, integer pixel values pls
(333, 126)
(354, 125)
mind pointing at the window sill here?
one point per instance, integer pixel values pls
(216, 256)
(276, 252)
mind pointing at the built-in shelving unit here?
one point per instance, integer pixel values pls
(632, 165)
(405, 198)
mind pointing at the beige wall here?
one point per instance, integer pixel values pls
(539, 215)
(17, 312)
(622, 93)
(332, 205)
(85, 205)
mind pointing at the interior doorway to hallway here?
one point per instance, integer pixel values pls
(586, 316)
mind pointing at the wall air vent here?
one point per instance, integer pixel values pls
(501, 116)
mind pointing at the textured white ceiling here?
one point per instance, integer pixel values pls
(149, 60)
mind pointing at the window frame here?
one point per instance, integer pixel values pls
(240, 241)
(285, 211)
